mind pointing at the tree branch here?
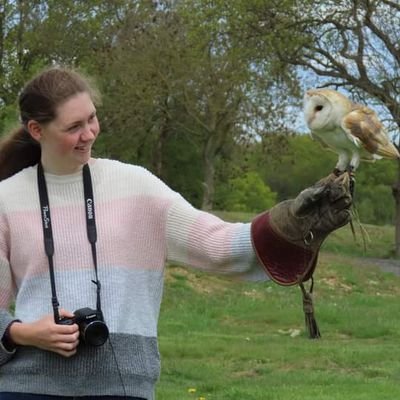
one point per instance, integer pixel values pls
(381, 35)
(391, 4)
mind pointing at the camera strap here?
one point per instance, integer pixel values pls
(48, 232)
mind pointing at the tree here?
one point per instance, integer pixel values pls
(39, 33)
(231, 93)
(138, 74)
(182, 68)
(17, 20)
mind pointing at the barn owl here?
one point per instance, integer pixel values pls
(351, 130)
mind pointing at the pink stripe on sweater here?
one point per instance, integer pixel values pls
(5, 298)
(131, 233)
(216, 236)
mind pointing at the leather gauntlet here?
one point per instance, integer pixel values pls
(287, 238)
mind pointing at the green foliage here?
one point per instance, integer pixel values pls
(183, 168)
(373, 194)
(8, 118)
(375, 204)
(298, 164)
(246, 193)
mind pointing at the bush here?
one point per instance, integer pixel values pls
(375, 204)
(247, 193)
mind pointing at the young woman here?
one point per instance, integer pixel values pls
(84, 243)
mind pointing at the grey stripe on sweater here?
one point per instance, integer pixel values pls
(92, 371)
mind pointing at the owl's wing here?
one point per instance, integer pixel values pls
(363, 128)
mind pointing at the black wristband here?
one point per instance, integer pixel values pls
(8, 343)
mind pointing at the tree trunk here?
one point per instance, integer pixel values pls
(209, 173)
(158, 161)
(21, 29)
(396, 195)
(2, 23)
(2, 34)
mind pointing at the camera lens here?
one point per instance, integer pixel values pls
(94, 333)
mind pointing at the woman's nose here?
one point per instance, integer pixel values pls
(88, 133)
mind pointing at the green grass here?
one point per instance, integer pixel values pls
(223, 340)
(379, 241)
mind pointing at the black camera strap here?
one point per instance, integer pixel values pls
(48, 232)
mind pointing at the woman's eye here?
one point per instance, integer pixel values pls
(73, 128)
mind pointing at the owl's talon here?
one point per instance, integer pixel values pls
(337, 172)
(352, 182)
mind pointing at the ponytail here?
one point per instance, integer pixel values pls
(17, 151)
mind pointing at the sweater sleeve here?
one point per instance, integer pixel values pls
(203, 241)
(6, 290)
(5, 320)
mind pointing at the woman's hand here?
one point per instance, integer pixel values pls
(45, 334)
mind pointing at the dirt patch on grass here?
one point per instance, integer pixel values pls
(335, 283)
(201, 283)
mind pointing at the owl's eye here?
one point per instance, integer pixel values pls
(319, 108)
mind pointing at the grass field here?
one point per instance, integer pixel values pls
(223, 340)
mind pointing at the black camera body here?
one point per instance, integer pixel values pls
(92, 328)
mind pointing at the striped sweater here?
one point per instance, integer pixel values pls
(142, 224)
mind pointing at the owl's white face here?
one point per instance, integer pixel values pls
(324, 109)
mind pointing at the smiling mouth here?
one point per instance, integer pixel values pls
(82, 148)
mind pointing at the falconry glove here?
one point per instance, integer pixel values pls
(288, 237)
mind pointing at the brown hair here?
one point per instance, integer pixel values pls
(38, 101)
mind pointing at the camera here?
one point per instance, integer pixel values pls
(92, 328)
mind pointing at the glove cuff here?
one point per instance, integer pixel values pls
(285, 262)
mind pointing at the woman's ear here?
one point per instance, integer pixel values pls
(34, 129)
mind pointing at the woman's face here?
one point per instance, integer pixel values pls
(67, 141)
